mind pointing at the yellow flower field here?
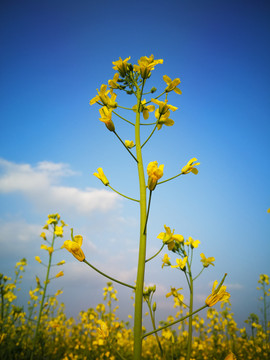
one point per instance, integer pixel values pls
(98, 333)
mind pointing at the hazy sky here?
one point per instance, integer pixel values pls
(54, 55)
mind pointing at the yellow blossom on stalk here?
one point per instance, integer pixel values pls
(164, 120)
(21, 264)
(54, 216)
(145, 109)
(231, 356)
(61, 263)
(170, 238)
(190, 167)
(103, 330)
(167, 236)
(172, 84)
(51, 221)
(218, 294)
(104, 98)
(10, 287)
(207, 261)
(192, 243)
(166, 261)
(264, 278)
(100, 175)
(10, 296)
(43, 235)
(129, 144)
(74, 247)
(48, 248)
(106, 117)
(154, 174)
(181, 263)
(58, 231)
(268, 210)
(58, 292)
(121, 66)
(37, 258)
(32, 294)
(63, 223)
(174, 292)
(113, 83)
(146, 65)
(61, 273)
(163, 107)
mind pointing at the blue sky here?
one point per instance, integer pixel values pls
(54, 55)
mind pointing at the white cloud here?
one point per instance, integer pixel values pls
(40, 185)
(236, 286)
(19, 239)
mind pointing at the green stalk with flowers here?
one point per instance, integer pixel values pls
(52, 224)
(132, 79)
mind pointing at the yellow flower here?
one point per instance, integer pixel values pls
(166, 261)
(192, 243)
(58, 231)
(106, 117)
(103, 330)
(181, 263)
(61, 263)
(43, 235)
(146, 65)
(63, 223)
(207, 261)
(104, 98)
(74, 247)
(178, 298)
(163, 107)
(190, 167)
(218, 294)
(58, 292)
(61, 273)
(268, 210)
(100, 175)
(163, 119)
(231, 356)
(121, 66)
(264, 278)
(170, 238)
(48, 248)
(113, 83)
(32, 294)
(37, 258)
(54, 216)
(172, 84)
(21, 264)
(167, 236)
(154, 174)
(129, 144)
(145, 109)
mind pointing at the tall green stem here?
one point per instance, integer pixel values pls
(154, 327)
(142, 246)
(43, 296)
(189, 344)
